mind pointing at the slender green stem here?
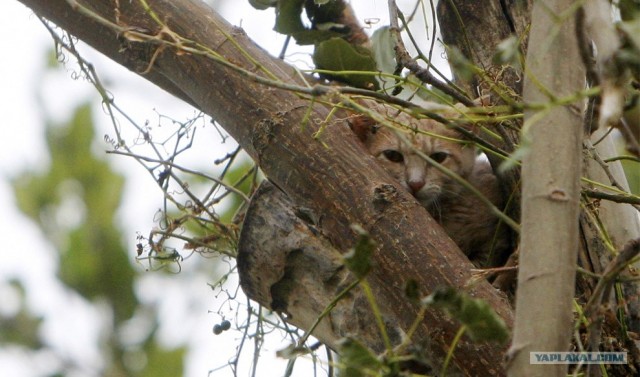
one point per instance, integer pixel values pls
(378, 316)
(449, 356)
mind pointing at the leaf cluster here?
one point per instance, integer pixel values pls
(324, 24)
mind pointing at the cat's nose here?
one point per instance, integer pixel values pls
(416, 185)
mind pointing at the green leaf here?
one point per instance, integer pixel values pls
(356, 360)
(310, 37)
(383, 45)
(238, 176)
(358, 259)
(481, 322)
(20, 327)
(288, 17)
(338, 55)
(162, 362)
(263, 4)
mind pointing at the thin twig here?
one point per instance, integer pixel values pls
(618, 158)
(617, 198)
(405, 60)
(605, 167)
(242, 195)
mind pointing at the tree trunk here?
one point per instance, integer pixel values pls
(550, 194)
(341, 184)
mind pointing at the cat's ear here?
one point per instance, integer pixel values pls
(362, 126)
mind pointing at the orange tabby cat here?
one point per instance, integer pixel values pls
(463, 216)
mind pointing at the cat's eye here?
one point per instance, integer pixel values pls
(393, 156)
(439, 157)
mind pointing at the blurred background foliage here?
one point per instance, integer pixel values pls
(74, 203)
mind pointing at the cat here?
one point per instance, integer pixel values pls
(464, 217)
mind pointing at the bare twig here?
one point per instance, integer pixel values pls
(593, 153)
(405, 60)
(618, 198)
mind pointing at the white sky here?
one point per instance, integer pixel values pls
(25, 253)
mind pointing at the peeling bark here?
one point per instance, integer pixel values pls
(304, 273)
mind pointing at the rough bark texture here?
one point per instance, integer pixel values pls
(476, 28)
(340, 184)
(550, 194)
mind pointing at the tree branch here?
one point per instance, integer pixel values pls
(551, 195)
(617, 198)
(341, 183)
(405, 60)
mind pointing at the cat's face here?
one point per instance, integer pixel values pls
(418, 176)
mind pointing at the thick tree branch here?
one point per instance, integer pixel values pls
(339, 183)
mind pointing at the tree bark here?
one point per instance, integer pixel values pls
(551, 193)
(476, 28)
(340, 183)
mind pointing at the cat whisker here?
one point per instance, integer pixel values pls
(451, 194)
(435, 209)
